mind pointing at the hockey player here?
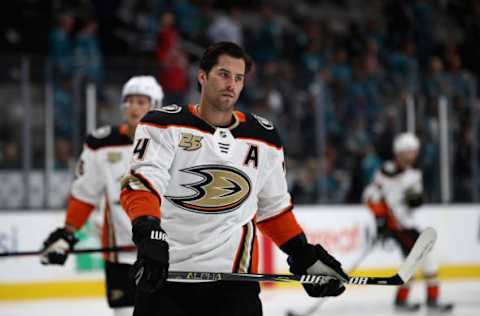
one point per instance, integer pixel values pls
(394, 193)
(103, 162)
(202, 178)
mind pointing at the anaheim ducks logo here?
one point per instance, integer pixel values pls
(222, 189)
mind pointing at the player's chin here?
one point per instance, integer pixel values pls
(133, 121)
(227, 103)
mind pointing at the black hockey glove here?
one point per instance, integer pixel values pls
(313, 259)
(56, 247)
(383, 232)
(151, 268)
(413, 198)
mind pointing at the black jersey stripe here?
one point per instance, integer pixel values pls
(248, 128)
(112, 137)
(183, 118)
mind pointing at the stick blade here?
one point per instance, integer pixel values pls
(423, 245)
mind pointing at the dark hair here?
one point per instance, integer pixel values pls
(211, 54)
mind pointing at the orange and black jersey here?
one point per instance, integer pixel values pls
(214, 185)
(102, 164)
(244, 125)
(391, 193)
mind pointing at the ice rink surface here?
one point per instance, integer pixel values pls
(358, 301)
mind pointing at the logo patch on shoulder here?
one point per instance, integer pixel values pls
(171, 108)
(102, 132)
(190, 142)
(264, 122)
(114, 157)
(221, 189)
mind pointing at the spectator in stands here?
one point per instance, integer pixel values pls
(340, 69)
(191, 21)
(61, 47)
(305, 188)
(226, 27)
(10, 157)
(174, 77)
(435, 81)
(362, 93)
(404, 67)
(63, 108)
(63, 154)
(268, 42)
(312, 60)
(458, 79)
(167, 38)
(88, 54)
(423, 30)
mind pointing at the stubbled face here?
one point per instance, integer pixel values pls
(406, 158)
(222, 86)
(136, 106)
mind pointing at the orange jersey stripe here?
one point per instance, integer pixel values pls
(140, 203)
(378, 208)
(261, 141)
(174, 125)
(238, 256)
(255, 254)
(281, 228)
(77, 212)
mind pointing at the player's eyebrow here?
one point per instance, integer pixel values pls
(229, 72)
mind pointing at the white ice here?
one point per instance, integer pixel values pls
(358, 301)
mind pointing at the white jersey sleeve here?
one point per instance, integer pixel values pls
(90, 179)
(214, 184)
(373, 191)
(273, 197)
(154, 151)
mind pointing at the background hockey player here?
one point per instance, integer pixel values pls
(395, 192)
(203, 177)
(103, 162)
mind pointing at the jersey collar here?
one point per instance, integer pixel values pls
(238, 117)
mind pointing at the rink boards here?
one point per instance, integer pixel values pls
(346, 231)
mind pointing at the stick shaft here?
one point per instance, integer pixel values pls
(74, 251)
(305, 279)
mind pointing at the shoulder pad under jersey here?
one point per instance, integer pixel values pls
(389, 169)
(175, 116)
(107, 136)
(258, 128)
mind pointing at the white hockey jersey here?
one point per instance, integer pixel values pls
(392, 186)
(214, 185)
(103, 162)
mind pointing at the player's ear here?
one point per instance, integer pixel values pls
(201, 77)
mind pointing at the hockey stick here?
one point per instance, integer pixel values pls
(74, 251)
(316, 306)
(422, 246)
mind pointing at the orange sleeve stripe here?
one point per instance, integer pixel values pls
(77, 212)
(147, 183)
(281, 228)
(240, 116)
(255, 256)
(140, 203)
(378, 208)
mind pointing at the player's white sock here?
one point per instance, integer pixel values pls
(124, 311)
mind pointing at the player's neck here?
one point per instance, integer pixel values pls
(214, 117)
(401, 165)
(130, 131)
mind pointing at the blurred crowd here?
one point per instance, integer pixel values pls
(334, 76)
